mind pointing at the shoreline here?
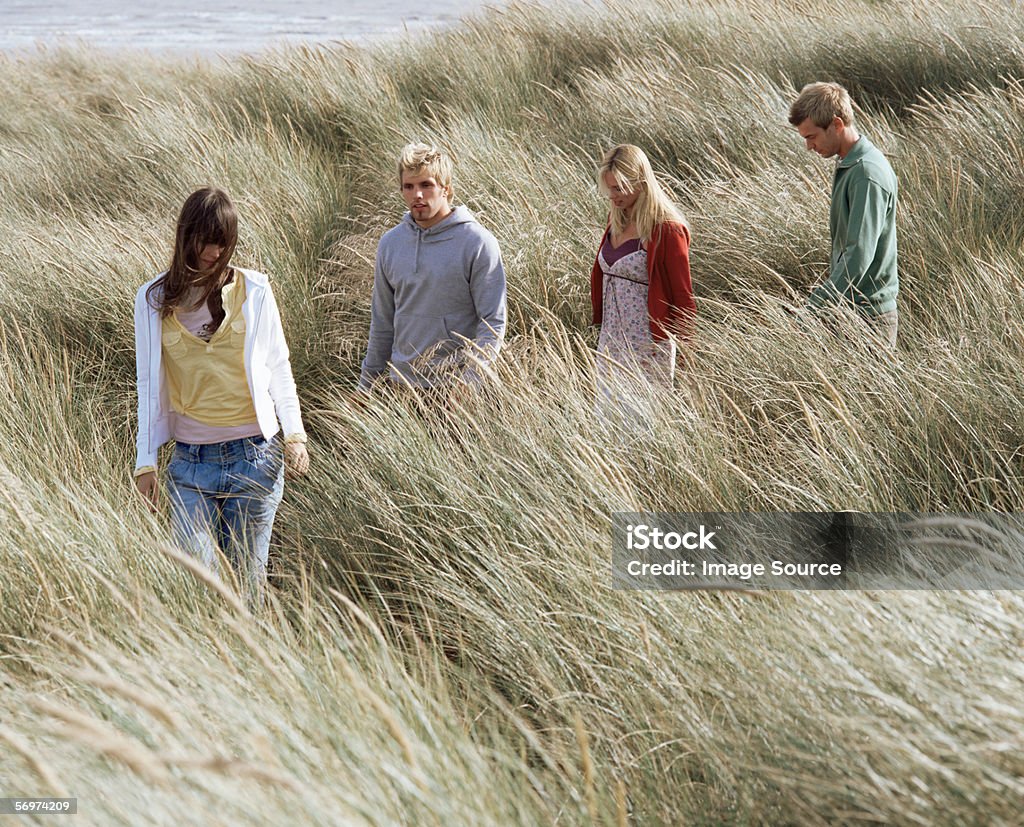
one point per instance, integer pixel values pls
(190, 34)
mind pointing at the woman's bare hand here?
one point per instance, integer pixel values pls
(149, 488)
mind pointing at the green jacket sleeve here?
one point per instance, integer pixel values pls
(869, 204)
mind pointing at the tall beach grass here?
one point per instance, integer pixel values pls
(442, 644)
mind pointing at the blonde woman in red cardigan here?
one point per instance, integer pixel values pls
(640, 283)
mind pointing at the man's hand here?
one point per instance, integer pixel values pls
(461, 394)
(149, 488)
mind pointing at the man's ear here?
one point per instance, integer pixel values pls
(838, 123)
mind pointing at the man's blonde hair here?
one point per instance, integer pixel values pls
(417, 158)
(822, 102)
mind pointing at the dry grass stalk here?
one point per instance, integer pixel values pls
(32, 756)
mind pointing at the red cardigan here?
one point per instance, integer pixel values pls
(670, 302)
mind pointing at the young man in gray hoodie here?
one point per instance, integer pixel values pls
(438, 315)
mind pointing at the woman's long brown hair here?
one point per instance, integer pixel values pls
(207, 217)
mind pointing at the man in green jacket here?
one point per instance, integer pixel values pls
(862, 217)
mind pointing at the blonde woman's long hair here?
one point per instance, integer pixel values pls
(631, 171)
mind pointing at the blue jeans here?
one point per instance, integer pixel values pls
(225, 495)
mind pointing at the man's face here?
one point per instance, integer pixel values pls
(426, 199)
(825, 142)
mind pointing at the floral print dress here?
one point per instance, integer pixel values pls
(629, 360)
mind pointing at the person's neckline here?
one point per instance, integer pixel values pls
(436, 223)
(853, 148)
(615, 248)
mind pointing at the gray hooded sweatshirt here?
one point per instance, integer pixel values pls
(438, 302)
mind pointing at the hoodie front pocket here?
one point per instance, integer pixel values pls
(421, 336)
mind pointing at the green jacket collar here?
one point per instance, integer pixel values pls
(857, 152)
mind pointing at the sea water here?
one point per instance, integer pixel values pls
(202, 27)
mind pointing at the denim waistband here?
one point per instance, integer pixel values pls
(233, 450)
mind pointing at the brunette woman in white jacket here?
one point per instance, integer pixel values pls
(214, 376)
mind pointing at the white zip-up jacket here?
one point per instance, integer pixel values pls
(267, 368)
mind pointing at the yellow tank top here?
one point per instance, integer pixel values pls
(206, 380)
